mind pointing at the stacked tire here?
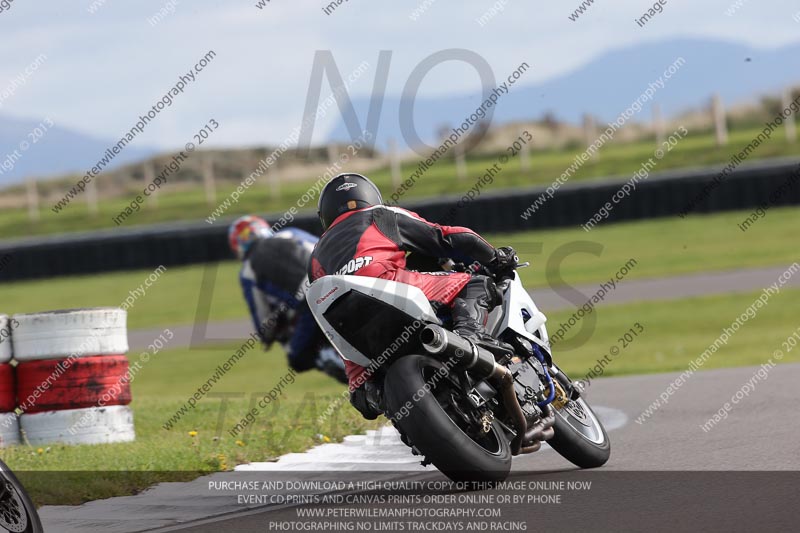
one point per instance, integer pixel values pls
(72, 376)
(9, 425)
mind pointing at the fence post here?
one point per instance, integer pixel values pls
(525, 156)
(333, 154)
(791, 127)
(91, 196)
(252, 163)
(149, 176)
(394, 164)
(658, 125)
(720, 124)
(208, 179)
(274, 182)
(590, 133)
(461, 162)
(33, 198)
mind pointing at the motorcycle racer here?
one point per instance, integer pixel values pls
(273, 280)
(365, 238)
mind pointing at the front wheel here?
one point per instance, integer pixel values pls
(17, 512)
(579, 436)
(434, 414)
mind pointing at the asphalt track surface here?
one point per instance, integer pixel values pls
(547, 299)
(760, 434)
(665, 474)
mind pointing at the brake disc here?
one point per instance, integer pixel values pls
(578, 414)
(12, 511)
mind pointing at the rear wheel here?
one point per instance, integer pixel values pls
(435, 416)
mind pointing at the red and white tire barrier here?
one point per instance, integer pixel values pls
(73, 383)
(9, 429)
(81, 383)
(5, 339)
(8, 398)
(9, 426)
(95, 425)
(70, 333)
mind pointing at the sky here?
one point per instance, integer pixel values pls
(105, 68)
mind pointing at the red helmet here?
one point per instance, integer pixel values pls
(245, 231)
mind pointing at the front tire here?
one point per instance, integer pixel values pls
(580, 437)
(432, 431)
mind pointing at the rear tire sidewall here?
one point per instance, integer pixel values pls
(431, 430)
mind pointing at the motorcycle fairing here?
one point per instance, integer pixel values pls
(364, 317)
(511, 315)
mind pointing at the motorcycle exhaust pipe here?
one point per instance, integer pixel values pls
(543, 430)
(509, 395)
(540, 432)
(480, 363)
(443, 343)
(532, 448)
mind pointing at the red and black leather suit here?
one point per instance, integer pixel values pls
(374, 241)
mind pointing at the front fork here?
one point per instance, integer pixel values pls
(566, 389)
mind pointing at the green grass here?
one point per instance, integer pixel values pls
(674, 333)
(172, 299)
(698, 148)
(162, 387)
(677, 332)
(662, 247)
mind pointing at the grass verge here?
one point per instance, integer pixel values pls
(661, 247)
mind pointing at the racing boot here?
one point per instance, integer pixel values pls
(329, 362)
(368, 400)
(471, 310)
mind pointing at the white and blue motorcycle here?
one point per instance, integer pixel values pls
(463, 409)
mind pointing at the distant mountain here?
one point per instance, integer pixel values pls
(59, 151)
(603, 87)
(609, 84)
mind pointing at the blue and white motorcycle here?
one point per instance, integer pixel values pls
(462, 408)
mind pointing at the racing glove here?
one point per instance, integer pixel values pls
(504, 262)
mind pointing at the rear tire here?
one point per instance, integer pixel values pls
(433, 432)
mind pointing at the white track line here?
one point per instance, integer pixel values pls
(379, 450)
(167, 505)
